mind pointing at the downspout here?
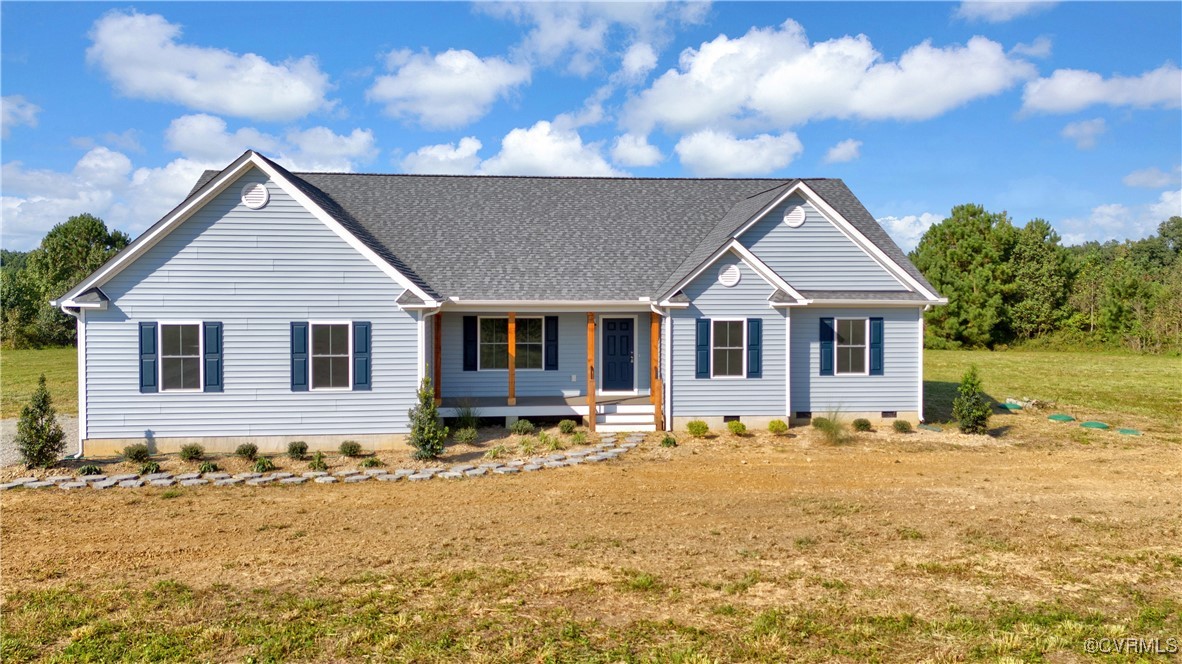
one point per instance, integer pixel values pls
(81, 337)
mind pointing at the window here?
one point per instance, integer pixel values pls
(180, 356)
(494, 343)
(727, 348)
(330, 356)
(851, 346)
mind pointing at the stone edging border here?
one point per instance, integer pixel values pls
(602, 452)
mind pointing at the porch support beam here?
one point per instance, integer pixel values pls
(437, 355)
(591, 413)
(656, 384)
(512, 358)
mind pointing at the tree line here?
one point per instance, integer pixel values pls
(1011, 285)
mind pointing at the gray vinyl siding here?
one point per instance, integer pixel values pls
(897, 389)
(816, 255)
(572, 360)
(255, 271)
(694, 397)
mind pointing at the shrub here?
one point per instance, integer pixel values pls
(427, 435)
(971, 408)
(149, 468)
(568, 426)
(901, 426)
(90, 469)
(263, 465)
(317, 463)
(862, 425)
(668, 441)
(372, 462)
(736, 427)
(467, 417)
(137, 453)
(496, 452)
(39, 438)
(350, 448)
(529, 445)
(208, 467)
(833, 429)
(777, 427)
(821, 423)
(578, 439)
(297, 449)
(192, 452)
(697, 428)
(466, 436)
(248, 451)
(554, 443)
(522, 427)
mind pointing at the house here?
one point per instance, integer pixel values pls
(271, 306)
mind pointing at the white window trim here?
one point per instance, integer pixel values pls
(836, 347)
(479, 324)
(160, 355)
(312, 357)
(743, 374)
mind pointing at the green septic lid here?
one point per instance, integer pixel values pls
(1094, 425)
(1060, 417)
(1011, 406)
(1129, 432)
(929, 427)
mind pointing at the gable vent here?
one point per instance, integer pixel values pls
(255, 195)
(794, 216)
(729, 275)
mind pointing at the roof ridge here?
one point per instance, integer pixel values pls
(561, 177)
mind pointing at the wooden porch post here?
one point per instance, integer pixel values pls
(656, 385)
(512, 359)
(591, 414)
(438, 354)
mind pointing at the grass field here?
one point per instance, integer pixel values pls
(19, 370)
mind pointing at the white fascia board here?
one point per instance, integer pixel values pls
(744, 254)
(456, 304)
(847, 229)
(869, 303)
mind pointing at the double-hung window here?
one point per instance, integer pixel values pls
(180, 356)
(330, 356)
(494, 344)
(727, 348)
(852, 349)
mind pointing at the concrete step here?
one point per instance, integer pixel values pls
(630, 408)
(624, 428)
(625, 419)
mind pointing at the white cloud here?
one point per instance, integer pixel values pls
(639, 60)
(773, 77)
(847, 150)
(320, 149)
(16, 111)
(719, 154)
(449, 89)
(142, 56)
(1085, 132)
(908, 230)
(1116, 221)
(1152, 178)
(545, 149)
(1041, 47)
(1070, 90)
(633, 150)
(445, 159)
(205, 138)
(999, 11)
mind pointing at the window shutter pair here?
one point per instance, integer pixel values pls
(362, 356)
(549, 350)
(150, 357)
(754, 348)
(828, 347)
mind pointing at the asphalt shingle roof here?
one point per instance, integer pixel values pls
(551, 238)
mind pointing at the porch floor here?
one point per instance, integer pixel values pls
(536, 402)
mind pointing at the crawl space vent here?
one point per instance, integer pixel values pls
(255, 195)
(794, 216)
(729, 275)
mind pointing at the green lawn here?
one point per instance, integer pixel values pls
(1148, 386)
(19, 370)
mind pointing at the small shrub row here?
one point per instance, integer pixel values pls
(192, 452)
(862, 425)
(350, 448)
(697, 428)
(465, 436)
(737, 428)
(137, 453)
(297, 449)
(522, 427)
(567, 426)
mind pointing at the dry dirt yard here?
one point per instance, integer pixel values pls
(915, 547)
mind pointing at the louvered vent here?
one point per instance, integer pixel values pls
(255, 195)
(729, 275)
(794, 216)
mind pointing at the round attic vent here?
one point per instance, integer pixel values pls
(729, 275)
(255, 195)
(794, 216)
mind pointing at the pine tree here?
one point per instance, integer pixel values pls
(971, 407)
(1041, 275)
(426, 433)
(39, 438)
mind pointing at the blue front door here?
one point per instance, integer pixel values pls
(618, 354)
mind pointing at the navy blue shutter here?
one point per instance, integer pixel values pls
(551, 351)
(875, 346)
(213, 356)
(361, 356)
(469, 343)
(299, 356)
(149, 358)
(755, 348)
(826, 346)
(702, 344)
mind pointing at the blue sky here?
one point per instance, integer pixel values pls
(1067, 111)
